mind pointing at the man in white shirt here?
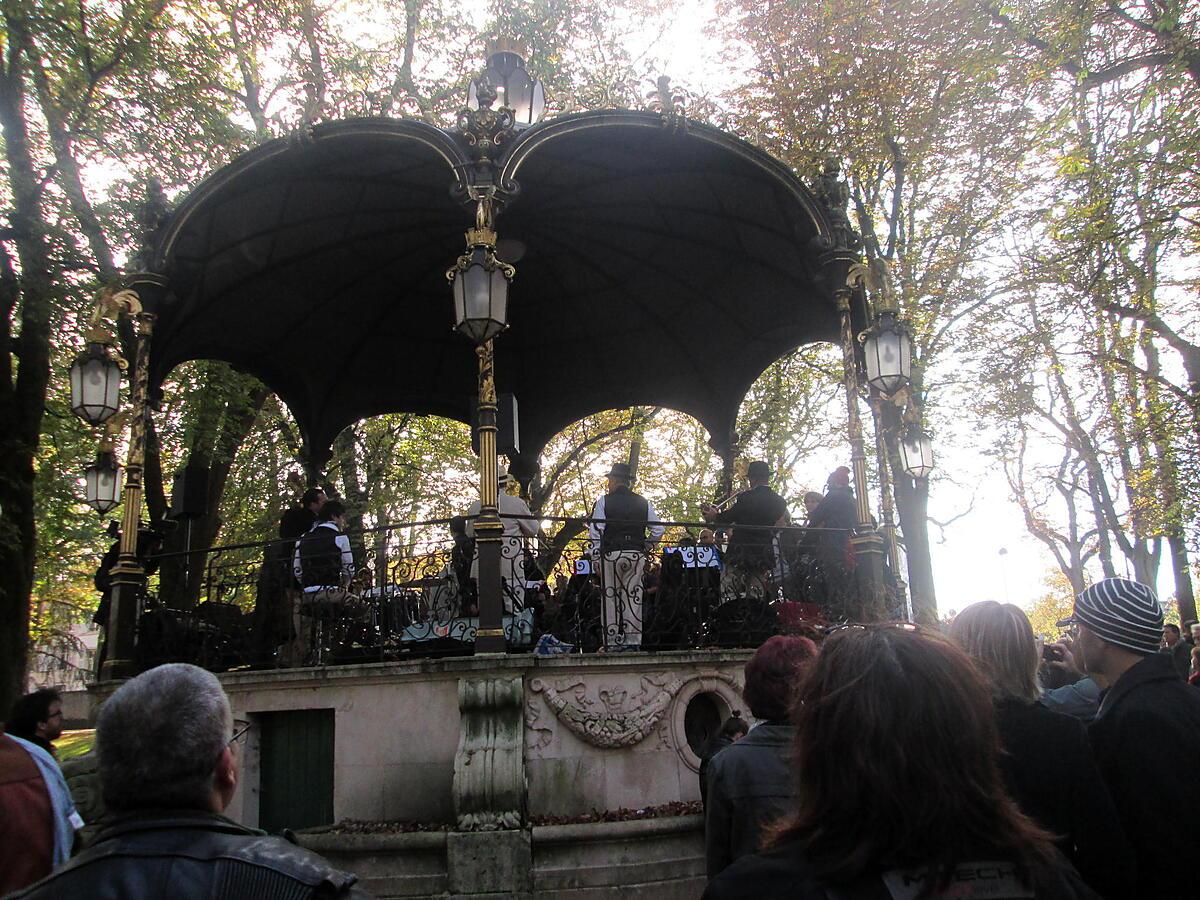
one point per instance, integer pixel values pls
(518, 522)
(622, 521)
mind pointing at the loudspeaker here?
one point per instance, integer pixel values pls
(189, 492)
(508, 430)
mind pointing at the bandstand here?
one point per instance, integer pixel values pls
(660, 261)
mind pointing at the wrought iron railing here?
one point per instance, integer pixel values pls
(410, 590)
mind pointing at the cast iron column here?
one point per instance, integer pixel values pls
(867, 544)
(129, 578)
(489, 637)
(879, 406)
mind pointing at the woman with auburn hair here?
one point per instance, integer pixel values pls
(1046, 761)
(899, 792)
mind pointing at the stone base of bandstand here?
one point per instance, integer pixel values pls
(659, 858)
(485, 745)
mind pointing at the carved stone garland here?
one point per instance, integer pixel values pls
(613, 718)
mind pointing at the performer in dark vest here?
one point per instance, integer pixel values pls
(622, 523)
(324, 565)
(323, 559)
(751, 553)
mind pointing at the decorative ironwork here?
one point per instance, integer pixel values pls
(152, 215)
(834, 194)
(481, 237)
(670, 103)
(876, 276)
(412, 592)
(486, 131)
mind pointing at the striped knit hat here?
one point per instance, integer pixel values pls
(1122, 612)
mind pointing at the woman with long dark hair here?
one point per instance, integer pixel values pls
(899, 792)
(1046, 762)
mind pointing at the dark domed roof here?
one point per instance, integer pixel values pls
(659, 267)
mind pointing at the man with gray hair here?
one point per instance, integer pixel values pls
(168, 768)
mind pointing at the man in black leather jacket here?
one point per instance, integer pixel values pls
(168, 768)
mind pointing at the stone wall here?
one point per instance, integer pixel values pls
(487, 745)
(659, 858)
(608, 733)
(599, 732)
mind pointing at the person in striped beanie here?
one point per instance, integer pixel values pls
(1146, 734)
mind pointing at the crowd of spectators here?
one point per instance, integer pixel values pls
(977, 763)
(168, 767)
(885, 761)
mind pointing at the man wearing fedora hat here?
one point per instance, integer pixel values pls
(621, 523)
(518, 522)
(1146, 734)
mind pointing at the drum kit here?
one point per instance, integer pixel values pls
(373, 621)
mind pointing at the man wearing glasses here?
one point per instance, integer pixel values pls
(37, 718)
(169, 766)
(37, 815)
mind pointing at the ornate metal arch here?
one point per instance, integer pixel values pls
(531, 140)
(441, 142)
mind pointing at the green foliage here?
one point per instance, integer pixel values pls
(1100, 360)
(1029, 170)
(1052, 607)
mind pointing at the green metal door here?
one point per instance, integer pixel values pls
(295, 769)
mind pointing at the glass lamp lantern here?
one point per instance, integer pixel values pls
(95, 384)
(888, 351)
(514, 88)
(479, 283)
(916, 453)
(102, 482)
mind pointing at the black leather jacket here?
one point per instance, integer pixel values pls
(750, 786)
(192, 855)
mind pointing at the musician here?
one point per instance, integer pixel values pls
(622, 523)
(750, 555)
(837, 508)
(512, 553)
(298, 520)
(323, 562)
(836, 515)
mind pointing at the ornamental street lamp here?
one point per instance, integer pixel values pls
(916, 453)
(96, 383)
(102, 480)
(479, 282)
(503, 99)
(511, 87)
(887, 347)
(96, 373)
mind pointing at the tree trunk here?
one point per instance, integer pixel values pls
(23, 385)
(356, 497)
(181, 581)
(1181, 568)
(912, 507)
(1172, 513)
